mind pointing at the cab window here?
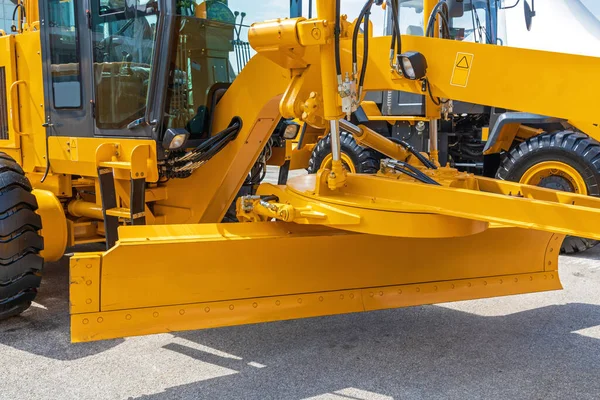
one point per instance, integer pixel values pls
(65, 67)
(124, 37)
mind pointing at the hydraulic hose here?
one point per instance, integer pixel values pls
(396, 36)
(361, 16)
(413, 172)
(337, 32)
(301, 138)
(442, 10)
(415, 153)
(363, 70)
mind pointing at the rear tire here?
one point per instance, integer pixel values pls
(575, 149)
(363, 160)
(20, 241)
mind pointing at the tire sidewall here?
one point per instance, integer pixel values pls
(348, 146)
(523, 164)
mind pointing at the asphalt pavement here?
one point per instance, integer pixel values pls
(534, 346)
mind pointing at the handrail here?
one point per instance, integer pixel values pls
(15, 115)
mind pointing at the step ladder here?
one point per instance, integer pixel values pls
(111, 168)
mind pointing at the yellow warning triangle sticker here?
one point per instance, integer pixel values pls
(463, 63)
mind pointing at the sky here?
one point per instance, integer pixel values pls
(261, 10)
(593, 6)
(559, 25)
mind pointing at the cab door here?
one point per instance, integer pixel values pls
(123, 42)
(67, 93)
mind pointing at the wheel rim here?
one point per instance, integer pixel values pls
(555, 175)
(346, 163)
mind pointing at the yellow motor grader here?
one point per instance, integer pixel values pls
(121, 123)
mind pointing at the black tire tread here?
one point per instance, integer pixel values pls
(20, 243)
(19, 285)
(13, 199)
(10, 179)
(22, 218)
(576, 148)
(27, 242)
(16, 305)
(366, 161)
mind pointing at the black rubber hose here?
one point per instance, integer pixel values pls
(361, 16)
(432, 18)
(337, 32)
(396, 27)
(301, 138)
(363, 69)
(415, 153)
(415, 173)
(415, 170)
(442, 10)
(23, 16)
(47, 171)
(270, 197)
(207, 145)
(219, 145)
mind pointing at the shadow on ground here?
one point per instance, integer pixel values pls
(44, 329)
(422, 352)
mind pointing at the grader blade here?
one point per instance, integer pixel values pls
(182, 277)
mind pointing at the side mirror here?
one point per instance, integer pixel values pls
(529, 13)
(456, 8)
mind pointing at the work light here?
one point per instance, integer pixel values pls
(291, 131)
(413, 65)
(175, 139)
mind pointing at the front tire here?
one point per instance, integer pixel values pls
(565, 160)
(355, 158)
(20, 241)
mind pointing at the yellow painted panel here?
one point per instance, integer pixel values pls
(113, 324)
(222, 176)
(446, 291)
(155, 266)
(31, 99)
(85, 283)
(485, 133)
(505, 83)
(462, 69)
(77, 156)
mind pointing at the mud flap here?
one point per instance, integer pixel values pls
(183, 277)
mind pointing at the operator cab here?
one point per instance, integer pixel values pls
(476, 24)
(135, 68)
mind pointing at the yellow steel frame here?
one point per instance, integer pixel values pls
(209, 283)
(8, 61)
(220, 275)
(346, 161)
(397, 207)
